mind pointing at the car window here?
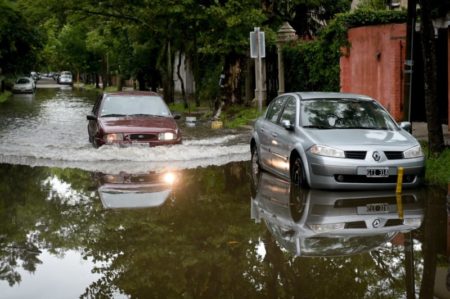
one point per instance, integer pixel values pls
(134, 105)
(289, 111)
(274, 109)
(345, 114)
(23, 81)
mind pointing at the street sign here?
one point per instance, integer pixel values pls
(257, 42)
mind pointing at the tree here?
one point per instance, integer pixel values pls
(435, 134)
(19, 41)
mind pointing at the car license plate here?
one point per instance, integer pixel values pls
(377, 172)
(374, 208)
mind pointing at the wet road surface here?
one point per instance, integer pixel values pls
(195, 223)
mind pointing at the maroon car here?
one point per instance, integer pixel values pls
(134, 117)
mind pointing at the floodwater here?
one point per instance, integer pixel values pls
(192, 221)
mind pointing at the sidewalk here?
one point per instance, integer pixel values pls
(420, 131)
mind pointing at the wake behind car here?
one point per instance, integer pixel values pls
(335, 141)
(24, 85)
(134, 117)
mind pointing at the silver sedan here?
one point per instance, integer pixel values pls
(335, 141)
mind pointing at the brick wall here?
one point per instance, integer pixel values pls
(374, 65)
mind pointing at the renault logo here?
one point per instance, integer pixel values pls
(376, 223)
(376, 156)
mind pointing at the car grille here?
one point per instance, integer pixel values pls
(345, 178)
(143, 137)
(355, 224)
(394, 222)
(362, 224)
(394, 155)
(360, 155)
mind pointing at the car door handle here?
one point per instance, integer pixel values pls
(275, 135)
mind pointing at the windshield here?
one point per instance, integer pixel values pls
(23, 81)
(134, 105)
(344, 114)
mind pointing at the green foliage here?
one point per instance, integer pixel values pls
(4, 96)
(238, 116)
(19, 41)
(437, 170)
(314, 65)
(366, 17)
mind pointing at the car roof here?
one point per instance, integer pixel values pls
(132, 93)
(331, 95)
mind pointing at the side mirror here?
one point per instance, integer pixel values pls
(287, 125)
(91, 117)
(406, 125)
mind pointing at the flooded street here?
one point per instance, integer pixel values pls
(192, 221)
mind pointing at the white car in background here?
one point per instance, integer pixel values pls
(65, 78)
(24, 85)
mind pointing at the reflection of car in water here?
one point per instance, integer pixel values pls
(324, 223)
(126, 190)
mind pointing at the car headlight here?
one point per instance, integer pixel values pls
(327, 151)
(166, 136)
(328, 227)
(416, 222)
(110, 138)
(415, 152)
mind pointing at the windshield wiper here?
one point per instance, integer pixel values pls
(367, 128)
(317, 127)
(145, 114)
(113, 115)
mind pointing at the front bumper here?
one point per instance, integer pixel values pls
(335, 173)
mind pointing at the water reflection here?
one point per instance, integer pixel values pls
(201, 242)
(128, 190)
(311, 222)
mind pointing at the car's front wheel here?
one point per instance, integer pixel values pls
(255, 161)
(298, 176)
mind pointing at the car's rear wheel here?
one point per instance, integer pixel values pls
(298, 176)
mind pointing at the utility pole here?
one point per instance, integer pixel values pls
(409, 60)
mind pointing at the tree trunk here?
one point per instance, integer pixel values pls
(168, 74)
(183, 91)
(119, 82)
(435, 134)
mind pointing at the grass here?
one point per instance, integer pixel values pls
(232, 117)
(438, 168)
(4, 96)
(238, 116)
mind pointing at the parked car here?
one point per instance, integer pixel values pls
(24, 85)
(132, 117)
(335, 141)
(310, 222)
(65, 79)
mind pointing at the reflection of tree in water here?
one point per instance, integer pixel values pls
(32, 218)
(11, 253)
(199, 244)
(192, 246)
